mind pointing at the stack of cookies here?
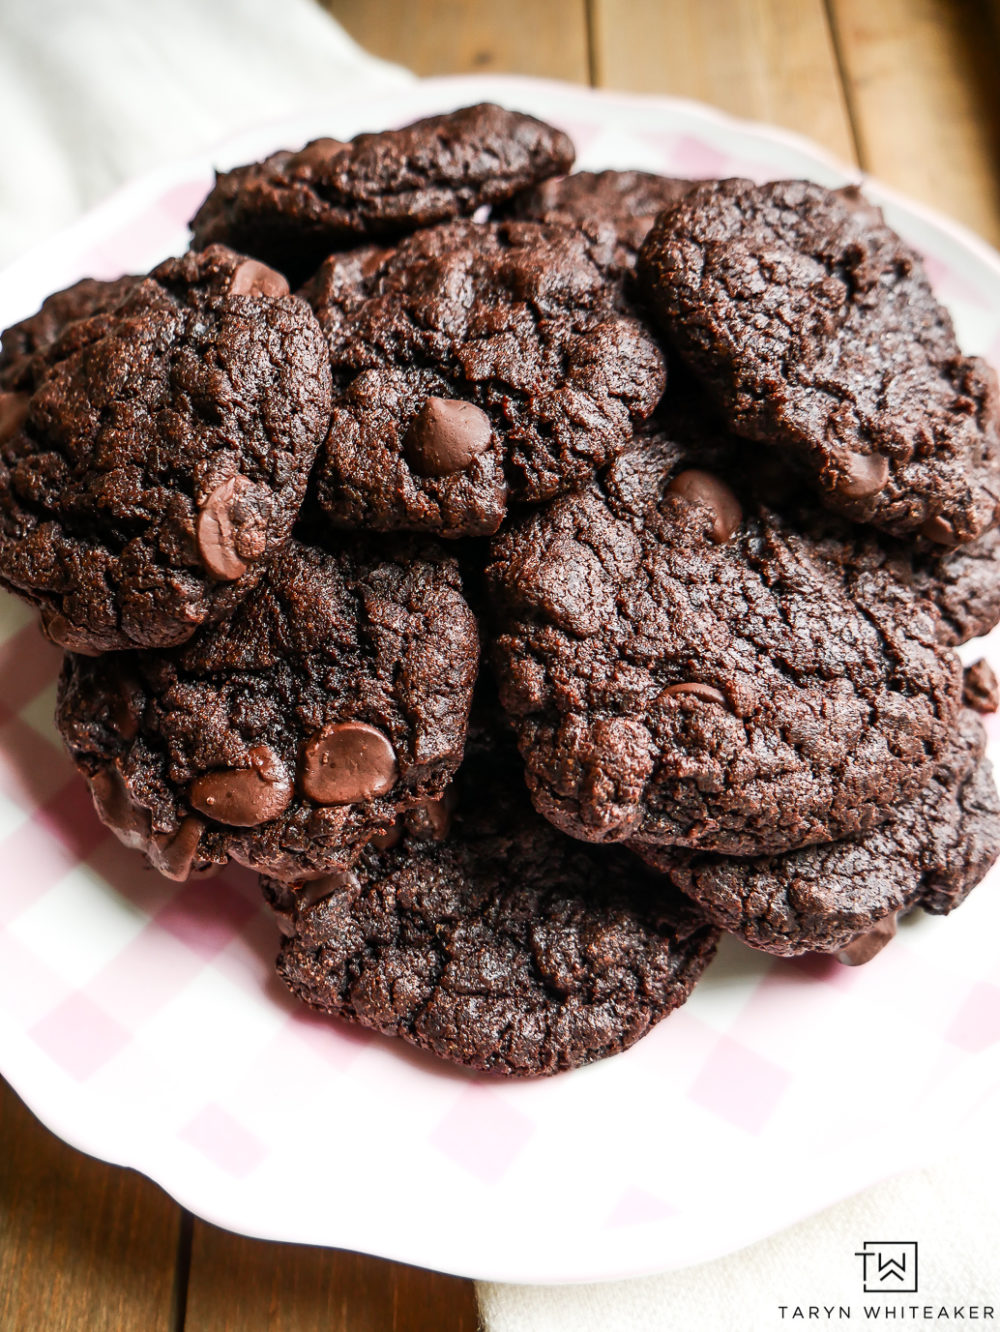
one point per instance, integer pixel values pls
(529, 575)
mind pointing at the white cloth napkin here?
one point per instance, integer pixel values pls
(951, 1212)
(91, 94)
(94, 93)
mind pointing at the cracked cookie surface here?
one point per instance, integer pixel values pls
(163, 455)
(282, 739)
(295, 208)
(930, 853)
(472, 364)
(504, 947)
(814, 326)
(32, 337)
(614, 209)
(684, 667)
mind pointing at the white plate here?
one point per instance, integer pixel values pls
(142, 1021)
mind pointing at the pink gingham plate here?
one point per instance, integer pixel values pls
(143, 1023)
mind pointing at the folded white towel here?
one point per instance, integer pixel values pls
(951, 1212)
(91, 94)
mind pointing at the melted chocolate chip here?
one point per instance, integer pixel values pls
(706, 692)
(244, 797)
(393, 835)
(57, 629)
(446, 436)
(229, 529)
(347, 762)
(174, 855)
(866, 946)
(251, 278)
(316, 153)
(704, 488)
(127, 820)
(310, 891)
(431, 819)
(862, 474)
(940, 530)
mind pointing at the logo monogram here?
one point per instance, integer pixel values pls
(889, 1266)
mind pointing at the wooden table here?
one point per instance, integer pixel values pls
(907, 88)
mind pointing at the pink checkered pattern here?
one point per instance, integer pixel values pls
(144, 1019)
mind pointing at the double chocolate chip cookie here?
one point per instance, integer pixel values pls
(614, 209)
(474, 364)
(163, 454)
(684, 666)
(334, 697)
(295, 208)
(502, 946)
(23, 342)
(843, 897)
(817, 333)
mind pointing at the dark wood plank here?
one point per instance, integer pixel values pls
(771, 60)
(244, 1285)
(924, 96)
(547, 39)
(82, 1244)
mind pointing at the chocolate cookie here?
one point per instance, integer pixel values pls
(844, 896)
(683, 666)
(32, 337)
(815, 328)
(164, 453)
(472, 363)
(336, 696)
(964, 585)
(295, 208)
(505, 947)
(613, 209)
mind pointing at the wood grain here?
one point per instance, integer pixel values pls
(82, 1244)
(545, 38)
(923, 91)
(770, 60)
(244, 1285)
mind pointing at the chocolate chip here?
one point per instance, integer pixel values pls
(174, 854)
(57, 629)
(703, 488)
(706, 692)
(244, 797)
(431, 819)
(251, 278)
(230, 529)
(128, 821)
(940, 530)
(317, 153)
(392, 836)
(346, 762)
(446, 435)
(866, 946)
(13, 410)
(308, 892)
(862, 474)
